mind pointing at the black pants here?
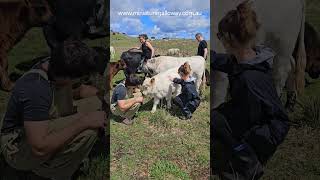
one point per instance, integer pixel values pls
(186, 107)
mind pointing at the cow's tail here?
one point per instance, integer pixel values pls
(301, 59)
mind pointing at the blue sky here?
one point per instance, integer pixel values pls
(161, 26)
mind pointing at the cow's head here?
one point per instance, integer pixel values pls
(36, 12)
(147, 86)
(313, 63)
(121, 65)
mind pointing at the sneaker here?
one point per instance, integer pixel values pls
(127, 121)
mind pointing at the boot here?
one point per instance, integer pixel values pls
(244, 164)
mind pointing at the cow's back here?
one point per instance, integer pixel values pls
(168, 62)
(280, 22)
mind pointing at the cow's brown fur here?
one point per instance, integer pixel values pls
(16, 19)
(113, 69)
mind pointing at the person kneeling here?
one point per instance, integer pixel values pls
(188, 101)
(123, 106)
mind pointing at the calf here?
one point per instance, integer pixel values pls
(113, 69)
(16, 18)
(160, 86)
(163, 63)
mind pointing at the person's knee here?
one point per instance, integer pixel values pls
(218, 120)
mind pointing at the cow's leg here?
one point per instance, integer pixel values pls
(281, 69)
(155, 104)
(291, 89)
(6, 84)
(168, 98)
(198, 82)
(219, 88)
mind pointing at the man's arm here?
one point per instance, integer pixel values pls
(45, 144)
(124, 105)
(205, 53)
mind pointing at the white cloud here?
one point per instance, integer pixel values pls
(128, 25)
(155, 30)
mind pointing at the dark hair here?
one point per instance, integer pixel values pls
(134, 80)
(145, 36)
(241, 23)
(198, 34)
(73, 59)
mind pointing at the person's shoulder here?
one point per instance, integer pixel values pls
(120, 87)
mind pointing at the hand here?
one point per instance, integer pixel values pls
(94, 120)
(139, 99)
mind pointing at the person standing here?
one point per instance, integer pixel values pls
(203, 51)
(202, 47)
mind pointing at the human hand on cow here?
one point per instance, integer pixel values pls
(139, 99)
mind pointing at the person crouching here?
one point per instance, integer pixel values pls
(188, 101)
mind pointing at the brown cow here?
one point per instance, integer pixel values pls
(113, 69)
(312, 44)
(16, 18)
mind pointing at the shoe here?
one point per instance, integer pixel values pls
(127, 121)
(185, 117)
(245, 162)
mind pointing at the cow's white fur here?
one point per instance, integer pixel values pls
(282, 26)
(163, 63)
(173, 52)
(162, 87)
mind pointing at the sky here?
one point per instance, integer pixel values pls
(173, 26)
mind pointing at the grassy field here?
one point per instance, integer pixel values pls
(159, 145)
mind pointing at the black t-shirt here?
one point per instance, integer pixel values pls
(146, 52)
(201, 47)
(30, 100)
(119, 93)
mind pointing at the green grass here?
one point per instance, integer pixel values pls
(160, 145)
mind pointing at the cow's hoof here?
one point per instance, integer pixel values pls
(153, 111)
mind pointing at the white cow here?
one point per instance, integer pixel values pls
(282, 29)
(160, 86)
(174, 52)
(163, 63)
(112, 52)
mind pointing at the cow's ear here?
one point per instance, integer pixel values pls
(152, 80)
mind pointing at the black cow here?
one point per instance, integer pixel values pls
(133, 60)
